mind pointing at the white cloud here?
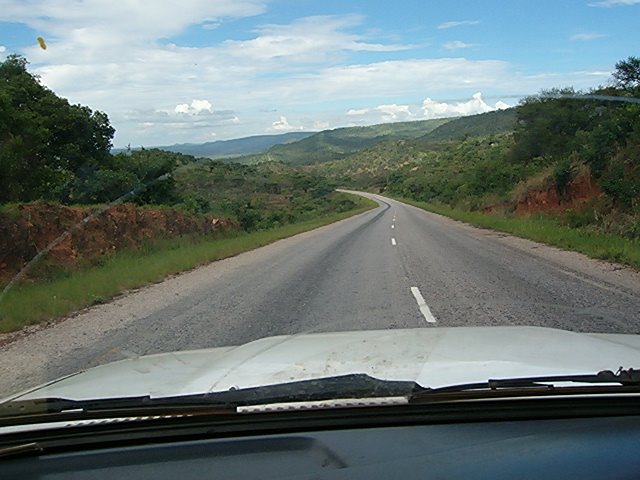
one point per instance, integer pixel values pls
(211, 26)
(308, 39)
(460, 23)
(393, 111)
(457, 45)
(387, 79)
(196, 107)
(434, 109)
(614, 3)
(115, 57)
(284, 125)
(2, 48)
(585, 37)
(129, 20)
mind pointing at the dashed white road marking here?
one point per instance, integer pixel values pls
(393, 242)
(393, 226)
(422, 305)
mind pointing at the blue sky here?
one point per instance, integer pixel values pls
(202, 70)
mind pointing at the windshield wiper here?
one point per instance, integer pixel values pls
(339, 387)
(331, 388)
(622, 381)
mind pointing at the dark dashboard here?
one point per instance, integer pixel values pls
(607, 447)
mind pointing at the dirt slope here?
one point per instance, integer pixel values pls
(28, 229)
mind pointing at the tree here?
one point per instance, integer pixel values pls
(43, 139)
(627, 74)
(147, 172)
(547, 124)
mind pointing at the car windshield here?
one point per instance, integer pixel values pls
(222, 196)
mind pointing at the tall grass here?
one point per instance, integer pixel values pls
(28, 304)
(543, 229)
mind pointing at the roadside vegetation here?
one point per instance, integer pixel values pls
(563, 167)
(59, 175)
(547, 229)
(69, 291)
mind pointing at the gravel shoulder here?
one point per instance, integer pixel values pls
(26, 354)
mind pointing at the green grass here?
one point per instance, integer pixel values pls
(28, 304)
(602, 246)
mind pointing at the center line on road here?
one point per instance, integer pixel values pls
(393, 226)
(422, 305)
(393, 242)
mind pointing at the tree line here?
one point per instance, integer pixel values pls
(52, 150)
(559, 130)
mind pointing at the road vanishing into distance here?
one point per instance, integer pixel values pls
(395, 266)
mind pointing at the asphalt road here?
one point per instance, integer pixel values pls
(393, 267)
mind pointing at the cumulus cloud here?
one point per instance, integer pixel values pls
(393, 111)
(434, 109)
(2, 48)
(129, 59)
(411, 77)
(459, 23)
(585, 37)
(457, 45)
(284, 125)
(196, 107)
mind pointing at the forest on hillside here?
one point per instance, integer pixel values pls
(52, 151)
(557, 139)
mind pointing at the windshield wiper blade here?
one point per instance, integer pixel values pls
(629, 379)
(356, 385)
(329, 388)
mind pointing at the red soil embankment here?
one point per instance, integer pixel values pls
(30, 228)
(578, 192)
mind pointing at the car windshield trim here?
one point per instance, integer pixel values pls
(360, 386)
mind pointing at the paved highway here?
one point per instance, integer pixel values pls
(393, 267)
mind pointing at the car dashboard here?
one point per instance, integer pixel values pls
(585, 448)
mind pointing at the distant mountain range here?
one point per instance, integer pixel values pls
(234, 147)
(309, 148)
(341, 142)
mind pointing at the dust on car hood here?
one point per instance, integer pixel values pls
(432, 357)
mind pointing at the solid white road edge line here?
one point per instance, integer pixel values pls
(393, 242)
(422, 305)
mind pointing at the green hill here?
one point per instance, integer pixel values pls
(234, 147)
(371, 166)
(341, 142)
(491, 123)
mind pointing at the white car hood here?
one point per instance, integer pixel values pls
(433, 357)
